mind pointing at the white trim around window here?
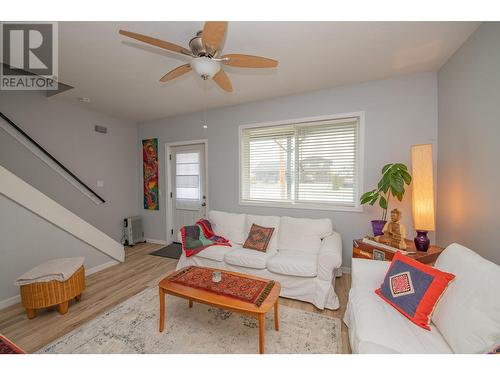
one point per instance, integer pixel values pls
(303, 123)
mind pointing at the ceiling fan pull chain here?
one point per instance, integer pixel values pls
(205, 125)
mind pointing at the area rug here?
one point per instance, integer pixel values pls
(132, 327)
(173, 251)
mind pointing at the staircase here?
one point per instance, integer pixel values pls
(33, 200)
(36, 149)
(35, 228)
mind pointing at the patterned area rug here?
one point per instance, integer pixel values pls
(132, 327)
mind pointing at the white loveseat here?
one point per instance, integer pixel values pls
(303, 254)
(466, 318)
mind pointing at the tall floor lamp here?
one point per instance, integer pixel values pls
(423, 194)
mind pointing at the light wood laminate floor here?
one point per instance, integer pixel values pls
(114, 285)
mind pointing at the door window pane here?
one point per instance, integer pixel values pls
(187, 180)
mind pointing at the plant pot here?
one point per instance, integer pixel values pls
(378, 227)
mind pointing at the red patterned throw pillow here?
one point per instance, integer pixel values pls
(413, 288)
(495, 350)
(258, 238)
(8, 347)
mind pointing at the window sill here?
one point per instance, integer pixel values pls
(302, 206)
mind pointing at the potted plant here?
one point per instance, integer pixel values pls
(393, 181)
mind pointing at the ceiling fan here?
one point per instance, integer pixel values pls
(205, 49)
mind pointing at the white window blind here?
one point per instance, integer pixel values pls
(187, 180)
(301, 164)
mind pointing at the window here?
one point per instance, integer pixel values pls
(187, 180)
(312, 164)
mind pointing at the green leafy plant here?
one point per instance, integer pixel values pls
(393, 181)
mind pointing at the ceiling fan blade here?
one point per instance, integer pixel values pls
(249, 61)
(156, 42)
(180, 70)
(213, 34)
(223, 81)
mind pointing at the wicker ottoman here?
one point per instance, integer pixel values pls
(44, 294)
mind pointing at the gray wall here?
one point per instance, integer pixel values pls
(469, 144)
(28, 240)
(399, 112)
(67, 132)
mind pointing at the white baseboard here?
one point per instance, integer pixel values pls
(159, 242)
(345, 269)
(101, 267)
(16, 299)
(10, 301)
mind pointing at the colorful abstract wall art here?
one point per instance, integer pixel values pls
(150, 173)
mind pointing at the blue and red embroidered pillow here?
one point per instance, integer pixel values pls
(413, 288)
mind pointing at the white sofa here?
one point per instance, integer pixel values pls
(303, 254)
(466, 318)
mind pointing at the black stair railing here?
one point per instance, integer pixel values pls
(46, 153)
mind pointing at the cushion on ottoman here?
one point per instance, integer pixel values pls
(56, 269)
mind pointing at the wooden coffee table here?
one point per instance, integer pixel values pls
(209, 298)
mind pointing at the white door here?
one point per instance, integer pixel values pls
(188, 176)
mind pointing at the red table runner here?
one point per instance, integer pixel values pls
(238, 287)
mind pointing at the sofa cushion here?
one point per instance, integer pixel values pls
(376, 327)
(228, 225)
(294, 263)
(216, 252)
(368, 274)
(468, 314)
(265, 221)
(247, 258)
(413, 288)
(303, 234)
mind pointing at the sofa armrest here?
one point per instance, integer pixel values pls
(330, 256)
(367, 273)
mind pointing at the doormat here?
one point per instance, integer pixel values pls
(173, 251)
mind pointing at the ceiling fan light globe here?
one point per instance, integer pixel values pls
(205, 67)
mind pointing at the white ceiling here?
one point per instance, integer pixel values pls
(121, 76)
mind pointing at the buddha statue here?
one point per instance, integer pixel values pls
(394, 232)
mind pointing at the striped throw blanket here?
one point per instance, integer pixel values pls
(197, 237)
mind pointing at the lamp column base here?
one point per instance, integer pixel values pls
(422, 242)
